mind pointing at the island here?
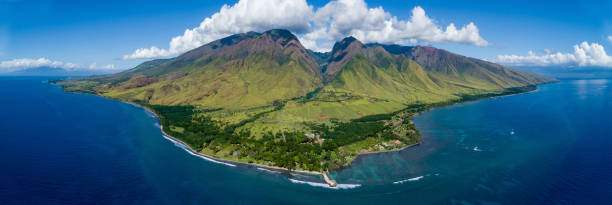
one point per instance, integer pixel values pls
(263, 99)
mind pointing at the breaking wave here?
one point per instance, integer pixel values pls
(324, 185)
(181, 145)
(267, 170)
(409, 180)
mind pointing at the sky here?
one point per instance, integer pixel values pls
(117, 35)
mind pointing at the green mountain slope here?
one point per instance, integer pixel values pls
(416, 74)
(243, 70)
(263, 98)
(463, 70)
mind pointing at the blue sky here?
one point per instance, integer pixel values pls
(80, 33)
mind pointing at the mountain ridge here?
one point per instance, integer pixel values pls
(227, 67)
(327, 65)
(263, 98)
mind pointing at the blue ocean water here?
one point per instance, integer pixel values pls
(551, 146)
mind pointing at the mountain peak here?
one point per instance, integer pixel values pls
(343, 51)
(348, 39)
(276, 34)
(240, 45)
(345, 43)
(281, 36)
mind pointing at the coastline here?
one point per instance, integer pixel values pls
(161, 128)
(330, 182)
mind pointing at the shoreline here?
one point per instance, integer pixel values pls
(330, 182)
(173, 139)
(326, 179)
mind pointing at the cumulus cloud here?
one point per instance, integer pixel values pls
(150, 53)
(244, 16)
(584, 54)
(25, 63)
(317, 28)
(94, 66)
(610, 38)
(342, 18)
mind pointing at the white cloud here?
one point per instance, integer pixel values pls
(317, 29)
(342, 18)
(150, 53)
(610, 38)
(584, 54)
(244, 16)
(109, 67)
(94, 66)
(25, 63)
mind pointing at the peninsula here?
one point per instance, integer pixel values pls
(263, 99)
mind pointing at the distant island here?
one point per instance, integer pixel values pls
(263, 99)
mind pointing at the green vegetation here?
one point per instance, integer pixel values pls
(321, 146)
(331, 147)
(263, 98)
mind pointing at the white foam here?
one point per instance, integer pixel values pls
(297, 175)
(267, 170)
(409, 180)
(157, 125)
(324, 185)
(477, 149)
(181, 145)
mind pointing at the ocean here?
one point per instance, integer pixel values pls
(550, 146)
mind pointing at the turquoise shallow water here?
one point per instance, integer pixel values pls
(551, 146)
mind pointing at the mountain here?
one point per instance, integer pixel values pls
(460, 68)
(263, 98)
(256, 69)
(416, 74)
(242, 70)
